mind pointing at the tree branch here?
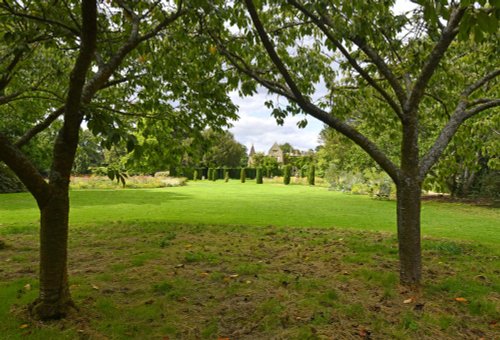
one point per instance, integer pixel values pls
(6, 78)
(459, 116)
(243, 67)
(321, 24)
(480, 108)
(382, 67)
(106, 70)
(10, 97)
(449, 33)
(167, 21)
(45, 123)
(299, 97)
(24, 169)
(12, 11)
(316, 112)
(67, 139)
(473, 87)
(440, 101)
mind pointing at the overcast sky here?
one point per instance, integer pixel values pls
(257, 127)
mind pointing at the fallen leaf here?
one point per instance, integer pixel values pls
(219, 338)
(233, 276)
(248, 281)
(410, 300)
(461, 299)
(94, 286)
(165, 338)
(205, 274)
(27, 286)
(24, 325)
(180, 265)
(188, 245)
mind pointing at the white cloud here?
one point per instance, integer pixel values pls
(257, 127)
(402, 6)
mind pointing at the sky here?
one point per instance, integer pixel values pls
(257, 127)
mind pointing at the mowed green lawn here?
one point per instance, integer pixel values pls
(235, 203)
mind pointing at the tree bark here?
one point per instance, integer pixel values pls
(408, 217)
(54, 301)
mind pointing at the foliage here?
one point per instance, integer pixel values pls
(221, 149)
(226, 175)
(371, 182)
(243, 175)
(117, 174)
(311, 174)
(258, 177)
(9, 182)
(89, 154)
(287, 173)
(195, 175)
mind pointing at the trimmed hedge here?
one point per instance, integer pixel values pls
(243, 175)
(287, 174)
(258, 178)
(311, 174)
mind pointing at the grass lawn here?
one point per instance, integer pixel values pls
(247, 261)
(234, 203)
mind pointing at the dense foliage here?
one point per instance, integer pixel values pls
(258, 177)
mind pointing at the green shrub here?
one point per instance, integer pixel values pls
(269, 172)
(243, 175)
(226, 175)
(195, 175)
(287, 174)
(311, 174)
(258, 177)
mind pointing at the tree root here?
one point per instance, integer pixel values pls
(43, 310)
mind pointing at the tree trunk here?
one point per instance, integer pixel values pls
(54, 301)
(408, 216)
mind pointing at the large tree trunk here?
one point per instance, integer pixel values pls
(54, 299)
(408, 216)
